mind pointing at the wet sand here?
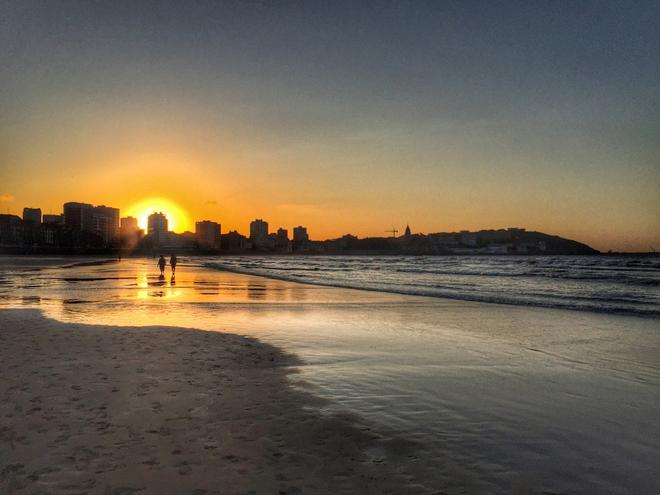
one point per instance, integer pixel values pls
(122, 410)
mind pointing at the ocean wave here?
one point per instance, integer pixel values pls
(610, 296)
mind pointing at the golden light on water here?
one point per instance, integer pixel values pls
(178, 219)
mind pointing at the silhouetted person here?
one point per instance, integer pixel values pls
(161, 265)
(173, 262)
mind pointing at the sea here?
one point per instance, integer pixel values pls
(609, 284)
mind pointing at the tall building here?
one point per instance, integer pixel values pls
(128, 224)
(282, 242)
(157, 227)
(79, 216)
(207, 234)
(259, 233)
(32, 215)
(129, 232)
(11, 230)
(300, 234)
(407, 234)
(105, 224)
(31, 226)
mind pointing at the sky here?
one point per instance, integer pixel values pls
(345, 117)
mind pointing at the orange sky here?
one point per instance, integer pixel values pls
(331, 192)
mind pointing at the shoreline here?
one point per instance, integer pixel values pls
(508, 299)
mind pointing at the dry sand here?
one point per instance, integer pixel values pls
(123, 410)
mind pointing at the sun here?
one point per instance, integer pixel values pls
(177, 218)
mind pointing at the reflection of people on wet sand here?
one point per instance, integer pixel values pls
(173, 262)
(161, 265)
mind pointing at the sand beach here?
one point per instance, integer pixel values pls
(105, 409)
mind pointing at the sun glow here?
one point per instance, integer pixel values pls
(178, 219)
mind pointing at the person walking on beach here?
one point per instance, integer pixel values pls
(161, 265)
(173, 262)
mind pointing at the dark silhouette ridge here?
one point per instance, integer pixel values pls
(63, 240)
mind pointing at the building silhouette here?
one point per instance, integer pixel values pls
(407, 233)
(11, 230)
(259, 233)
(129, 232)
(281, 240)
(157, 228)
(32, 215)
(102, 222)
(300, 234)
(207, 234)
(78, 216)
(84, 228)
(128, 224)
(233, 241)
(105, 224)
(31, 226)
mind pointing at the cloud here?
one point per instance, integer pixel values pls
(210, 202)
(6, 198)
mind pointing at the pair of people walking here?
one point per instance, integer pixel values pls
(162, 263)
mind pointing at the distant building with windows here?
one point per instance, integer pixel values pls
(207, 234)
(281, 240)
(11, 230)
(79, 216)
(128, 224)
(300, 234)
(259, 233)
(52, 230)
(102, 221)
(129, 232)
(32, 215)
(157, 228)
(31, 226)
(105, 224)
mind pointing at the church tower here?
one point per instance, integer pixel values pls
(407, 234)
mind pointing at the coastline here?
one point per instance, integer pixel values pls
(107, 409)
